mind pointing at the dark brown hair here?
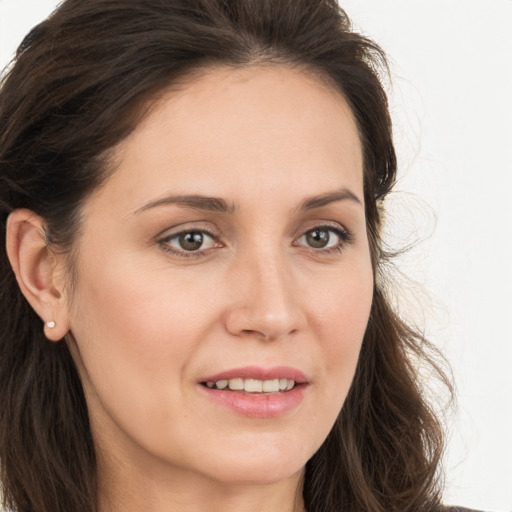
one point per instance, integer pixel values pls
(79, 84)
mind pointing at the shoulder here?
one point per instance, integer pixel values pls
(460, 509)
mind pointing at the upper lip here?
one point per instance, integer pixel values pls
(259, 373)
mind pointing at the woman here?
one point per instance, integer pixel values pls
(194, 297)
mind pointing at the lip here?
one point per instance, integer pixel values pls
(255, 405)
(259, 373)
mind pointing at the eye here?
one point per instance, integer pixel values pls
(325, 238)
(188, 242)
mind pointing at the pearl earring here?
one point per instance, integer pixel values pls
(50, 324)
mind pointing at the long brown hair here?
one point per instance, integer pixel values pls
(79, 84)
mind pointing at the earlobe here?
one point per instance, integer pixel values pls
(35, 269)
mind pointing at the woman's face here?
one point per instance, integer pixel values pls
(229, 248)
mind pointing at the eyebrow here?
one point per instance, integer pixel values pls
(343, 194)
(196, 202)
(219, 205)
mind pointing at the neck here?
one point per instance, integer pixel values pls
(132, 490)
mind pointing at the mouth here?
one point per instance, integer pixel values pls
(257, 392)
(252, 386)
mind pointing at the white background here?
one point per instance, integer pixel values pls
(452, 108)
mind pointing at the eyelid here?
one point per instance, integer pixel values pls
(164, 239)
(186, 227)
(344, 234)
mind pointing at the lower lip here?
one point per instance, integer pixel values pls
(258, 405)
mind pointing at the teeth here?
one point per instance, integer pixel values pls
(290, 385)
(271, 386)
(253, 385)
(236, 384)
(221, 384)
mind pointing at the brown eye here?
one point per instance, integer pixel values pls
(325, 238)
(191, 241)
(188, 242)
(318, 238)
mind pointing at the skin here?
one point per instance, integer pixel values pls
(145, 325)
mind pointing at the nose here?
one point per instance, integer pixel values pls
(266, 300)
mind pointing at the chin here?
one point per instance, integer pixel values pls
(255, 474)
(258, 465)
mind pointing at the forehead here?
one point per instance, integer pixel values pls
(244, 129)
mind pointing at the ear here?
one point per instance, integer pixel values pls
(37, 271)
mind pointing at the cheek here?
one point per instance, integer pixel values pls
(340, 318)
(135, 326)
(138, 333)
(131, 296)
(341, 300)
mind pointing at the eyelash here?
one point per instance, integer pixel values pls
(164, 243)
(345, 236)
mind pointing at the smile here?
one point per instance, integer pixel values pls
(252, 385)
(255, 391)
